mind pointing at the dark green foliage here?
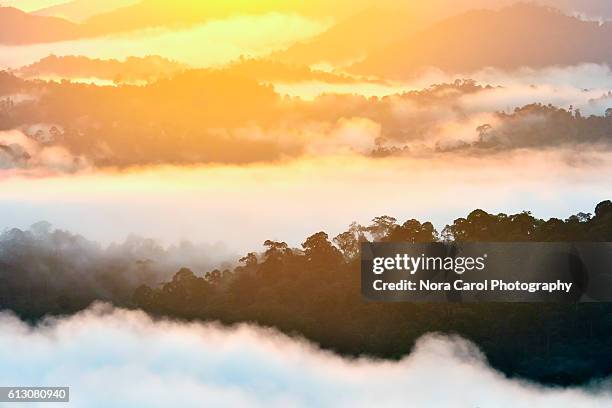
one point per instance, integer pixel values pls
(315, 292)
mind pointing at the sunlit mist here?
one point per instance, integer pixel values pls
(244, 205)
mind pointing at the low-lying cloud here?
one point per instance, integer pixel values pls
(161, 124)
(208, 204)
(120, 358)
(420, 115)
(317, 139)
(46, 270)
(36, 152)
(555, 84)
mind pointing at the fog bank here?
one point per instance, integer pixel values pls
(242, 206)
(119, 358)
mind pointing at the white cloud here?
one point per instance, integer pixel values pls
(24, 152)
(118, 358)
(318, 138)
(285, 197)
(584, 86)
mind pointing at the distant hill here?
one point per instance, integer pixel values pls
(151, 13)
(131, 70)
(352, 38)
(115, 16)
(151, 68)
(268, 70)
(19, 27)
(513, 37)
(81, 10)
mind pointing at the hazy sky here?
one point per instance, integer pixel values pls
(223, 40)
(31, 5)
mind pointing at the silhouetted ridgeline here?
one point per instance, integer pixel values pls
(314, 291)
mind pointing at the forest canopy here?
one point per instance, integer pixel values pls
(314, 290)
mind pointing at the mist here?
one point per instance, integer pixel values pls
(242, 206)
(578, 85)
(223, 40)
(21, 152)
(48, 270)
(120, 358)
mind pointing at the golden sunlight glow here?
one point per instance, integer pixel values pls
(30, 5)
(282, 200)
(212, 43)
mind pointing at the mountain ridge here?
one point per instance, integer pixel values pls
(541, 36)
